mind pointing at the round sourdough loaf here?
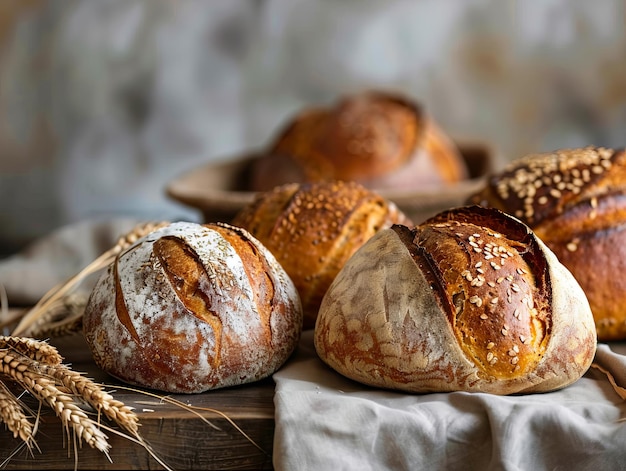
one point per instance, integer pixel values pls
(314, 228)
(575, 201)
(193, 307)
(378, 139)
(471, 300)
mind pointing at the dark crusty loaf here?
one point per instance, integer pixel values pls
(380, 140)
(470, 300)
(575, 201)
(190, 308)
(313, 228)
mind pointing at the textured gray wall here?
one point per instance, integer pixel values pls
(103, 102)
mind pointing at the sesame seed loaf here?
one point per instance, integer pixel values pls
(313, 228)
(575, 201)
(470, 300)
(378, 139)
(190, 308)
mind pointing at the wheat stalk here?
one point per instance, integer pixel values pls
(43, 359)
(20, 369)
(58, 293)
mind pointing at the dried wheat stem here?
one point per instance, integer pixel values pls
(13, 415)
(13, 316)
(63, 317)
(620, 391)
(18, 368)
(67, 326)
(60, 291)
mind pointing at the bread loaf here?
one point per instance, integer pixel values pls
(575, 201)
(380, 140)
(190, 308)
(470, 300)
(313, 228)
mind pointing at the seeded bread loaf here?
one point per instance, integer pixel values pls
(470, 300)
(313, 228)
(575, 201)
(190, 308)
(380, 140)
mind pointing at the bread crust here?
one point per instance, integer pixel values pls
(575, 201)
(314, 228)
(190, 308)
(412, 311)
(378, 139)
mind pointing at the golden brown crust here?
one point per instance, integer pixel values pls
(498, 325)
(191, 308)
(575, 201)
(590, 240)
(541, 186)
(377, 139)
(470, 300)
(312, 229)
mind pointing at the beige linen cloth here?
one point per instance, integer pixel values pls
(327, 422)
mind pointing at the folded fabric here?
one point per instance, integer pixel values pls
(327, 422)
(29, 274)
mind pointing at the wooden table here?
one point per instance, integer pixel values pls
(180, 437)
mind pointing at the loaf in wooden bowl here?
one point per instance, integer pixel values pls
(575, 201)
(470, 300)
(314, 228)
(378, 139)
(190, 308)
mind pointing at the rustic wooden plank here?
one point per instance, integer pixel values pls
(181, 438)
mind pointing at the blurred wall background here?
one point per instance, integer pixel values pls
(103, 102)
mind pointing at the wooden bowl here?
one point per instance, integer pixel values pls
(219, 190)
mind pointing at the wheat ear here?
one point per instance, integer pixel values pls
(22, 370)
(47, 302)
(37, 350)
(13, 415)
(95, 396)
(64, 317)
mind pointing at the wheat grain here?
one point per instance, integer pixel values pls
(13, 415)
(19, 369)
(43, 359)
(37, 350)
(95, 396)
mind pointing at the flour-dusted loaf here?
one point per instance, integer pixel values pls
(379, 139)
(471, 300)
(313, 228)
(193, 307)
(575, 201)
